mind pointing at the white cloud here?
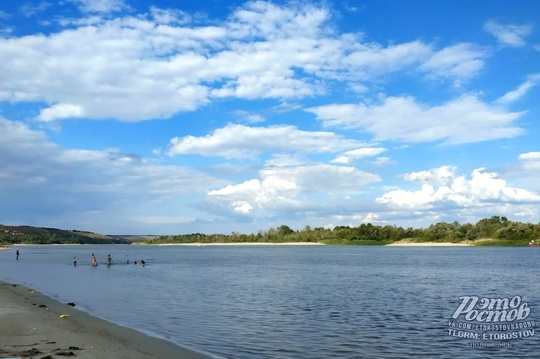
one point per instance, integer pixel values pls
(249, 117)
(383, 161)
(530, 156)
(370, 218)
(442, 185)
(41, 179)
(100, 6)
(457, 62)
(170, 16)
(167, 63)
(240, 141)
(512, 35)
(521, 91)
(530, 161)
(28, 10)
(61, 111)
(282, 188)
(351, 156)
(463, 120)
(371, 59)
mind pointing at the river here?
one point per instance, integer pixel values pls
(251, 302)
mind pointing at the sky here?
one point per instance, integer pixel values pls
(207, 116)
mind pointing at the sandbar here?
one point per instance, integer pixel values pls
(33, 325)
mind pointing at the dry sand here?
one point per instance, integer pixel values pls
(31, 326)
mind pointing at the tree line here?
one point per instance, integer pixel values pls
(499, 231)
(488, 231)
(42, 235)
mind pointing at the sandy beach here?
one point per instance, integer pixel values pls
(33, 325)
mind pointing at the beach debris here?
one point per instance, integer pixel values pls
(47, 357)
(30, 352)
(64, 315)
(71, 303)
(65, 353)
(42, 306)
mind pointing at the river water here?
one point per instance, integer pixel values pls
(299, 301)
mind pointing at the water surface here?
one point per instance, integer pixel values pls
(288, 301)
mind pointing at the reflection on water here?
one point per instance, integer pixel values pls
(286, 301)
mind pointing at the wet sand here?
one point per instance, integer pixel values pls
(33, 325)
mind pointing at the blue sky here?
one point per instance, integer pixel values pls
(168, 117)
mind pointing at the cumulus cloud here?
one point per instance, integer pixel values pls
(170, 16)
(442, 185)
(281, 188)
(530, 161)
(166, 63)
(464, 120)
(511, 35)
(61, 111)
(240, 141)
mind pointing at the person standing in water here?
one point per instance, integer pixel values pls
(109, 260)
(17, 254)
(94, 260)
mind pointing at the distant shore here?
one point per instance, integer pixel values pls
(34, 325)
(429, 244)
(241, 244)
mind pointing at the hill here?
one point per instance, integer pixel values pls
(129, 238)
(44, 235)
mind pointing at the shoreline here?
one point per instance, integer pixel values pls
(199, 244)
(37, 326)
(429, 244)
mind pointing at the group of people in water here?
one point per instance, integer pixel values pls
(94, 261)
(108, 262)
